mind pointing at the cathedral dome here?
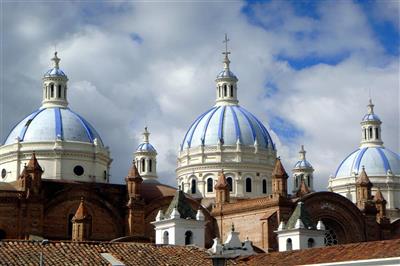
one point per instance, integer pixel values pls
(145, 147)
(376, 160)
(49, 124)
(227, 125)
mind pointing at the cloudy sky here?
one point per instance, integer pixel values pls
(305, 69)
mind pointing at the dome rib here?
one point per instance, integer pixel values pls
(253, 131)
(236, 121)
(203, 136)
(59, 126)
(267, 137)
(192, 128)
(344, 160)
(25, 128)
(384, 159)
(356, 166)
(221, 125)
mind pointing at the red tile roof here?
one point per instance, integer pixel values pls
(349, 252)
(88, 253)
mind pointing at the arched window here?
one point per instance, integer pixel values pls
(248, 184)
(230, 183)
(188, 238)
(365, 133)
(165, 238)
(296, 179)
(143, 165)
(288, 244)
(59, 91)
(264, 186)
(52, 90)
(219, 91)
(193, 188)
(370, 132)
(308, 180)
(231, 91)
(46, 93)
(150, 165)
(69, 222)
(210, 185)
(310, 243)
(183, 186)
(2, 234)
(225, 92)
(376, 133)
(105, 175)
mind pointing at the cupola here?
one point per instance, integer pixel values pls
(55, 86)
(371, 128)
(146, 158)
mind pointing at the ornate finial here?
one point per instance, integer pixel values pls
(370, 107)
(56, 60)
(226, 59)
(233, 227)
(146, 134)
(302, 153)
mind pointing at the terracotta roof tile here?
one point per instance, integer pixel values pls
(349, 252)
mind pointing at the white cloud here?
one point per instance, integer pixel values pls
(167, 80)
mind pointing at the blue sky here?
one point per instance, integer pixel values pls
(305, 69)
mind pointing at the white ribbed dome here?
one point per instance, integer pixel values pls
(228, 125)
(49, 124)
(376, 160)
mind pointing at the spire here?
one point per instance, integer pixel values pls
(146, 135)
(221, 182)
(226, 53)
(33, 164)
(363, 178)
(379, 196)
(279, 171)
(133, 172)
(303, 189)
(302, 153)
(301, 214)
(56, 60)
(181, 205)
(82, 212)
(226, 81)
(370, 107)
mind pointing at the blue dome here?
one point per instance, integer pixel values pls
(227, 124)
(371, 117)
(377, 161)
(226, 74)
(145, 147)
(303, 164)
(48, 124)
(55, 72)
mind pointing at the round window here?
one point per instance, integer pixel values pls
(78, 170)
(3, 173)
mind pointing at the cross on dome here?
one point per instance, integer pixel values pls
(226, 53)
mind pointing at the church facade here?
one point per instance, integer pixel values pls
(55, 185)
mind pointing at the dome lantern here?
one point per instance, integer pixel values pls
(371, 128)
(226, 82)
(302, 170)
(146, 158)
(55, 86)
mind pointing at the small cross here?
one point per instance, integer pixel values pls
(226, 40)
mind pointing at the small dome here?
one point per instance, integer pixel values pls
(55, 72)
(49, 124)
(226, 73)
(145, 147)
(371, 117)
(302, 164)
(376, 160)
(227, 124)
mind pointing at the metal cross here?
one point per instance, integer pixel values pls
(226, 40)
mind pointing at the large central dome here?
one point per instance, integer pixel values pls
(227, 125)
(226, 138)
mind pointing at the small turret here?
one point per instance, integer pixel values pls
(81, 223)
(302, 170)
(146, 158)
(279, 179)
(221, 190)
(371, 128)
